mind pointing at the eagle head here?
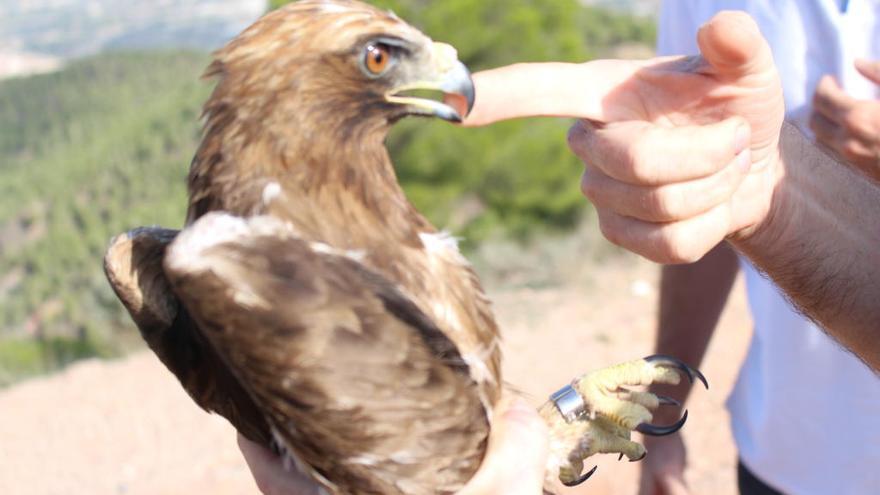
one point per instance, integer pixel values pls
(335, 64)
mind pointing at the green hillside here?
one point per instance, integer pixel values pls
(85, 154)
(104, 146)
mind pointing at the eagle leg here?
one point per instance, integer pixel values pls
(606, 394)
(598, 412)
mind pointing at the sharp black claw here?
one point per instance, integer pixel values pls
(659, 431)
(644, 454)
(620, 458)
(580, 480)
(679, 365)
(668, 401)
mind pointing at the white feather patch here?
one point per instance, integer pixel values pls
(364, 460)
(270, 192)
(320, 247)
(333, 8)
(187, 254)
(443, 245)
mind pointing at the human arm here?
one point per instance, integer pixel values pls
(515, 461)
(692, 298)
(820, 243)
(682, 153)
(849, 126)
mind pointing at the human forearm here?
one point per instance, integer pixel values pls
(821, 244)
(692, 298)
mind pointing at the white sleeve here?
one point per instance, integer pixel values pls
(677, 27)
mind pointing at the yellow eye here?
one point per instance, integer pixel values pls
(377, 58)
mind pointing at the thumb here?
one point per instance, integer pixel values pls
(516, 457)
(869, 69)
(732, 43)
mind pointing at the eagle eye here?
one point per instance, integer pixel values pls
(377, 58)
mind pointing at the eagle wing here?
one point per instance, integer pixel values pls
(358, 385)
(133, 265)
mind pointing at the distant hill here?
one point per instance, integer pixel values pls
(33, 31)
(76, 28)
(85, 154)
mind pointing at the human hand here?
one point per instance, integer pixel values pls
(516, 458)
(849, 126)
(663, 469)
(515, 461)
(269, 472)
(679, 152)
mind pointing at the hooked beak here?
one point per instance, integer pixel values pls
(447, 75)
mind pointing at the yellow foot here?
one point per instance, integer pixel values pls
(598, 412)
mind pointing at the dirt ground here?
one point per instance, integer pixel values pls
(126, 427)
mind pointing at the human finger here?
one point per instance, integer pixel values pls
(547, 90)
(645, 154)
(269, 472)
(680, 242)
(732, 44)
(831, 101)
(870, 69)
(668, 202)
(516, 457)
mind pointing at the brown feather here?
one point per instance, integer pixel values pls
(355, 379)
(378, 375)
(133, 265)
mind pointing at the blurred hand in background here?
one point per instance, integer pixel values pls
(663, 469)
(849, 126)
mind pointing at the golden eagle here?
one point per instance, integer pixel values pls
(308, 302)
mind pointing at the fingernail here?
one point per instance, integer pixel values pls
(744, 160)
(742, 139)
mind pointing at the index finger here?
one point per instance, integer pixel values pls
(640, 153)
(548, 90)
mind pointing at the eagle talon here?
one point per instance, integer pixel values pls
(644, 454)
(598, 411)
(660, 431)
(669, 361)
(668, 401)
(580, 480)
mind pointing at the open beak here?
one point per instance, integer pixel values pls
(447, 75)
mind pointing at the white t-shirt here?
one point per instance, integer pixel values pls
(805, 412)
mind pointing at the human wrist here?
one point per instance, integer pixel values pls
(665, 445)
(773, 208)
